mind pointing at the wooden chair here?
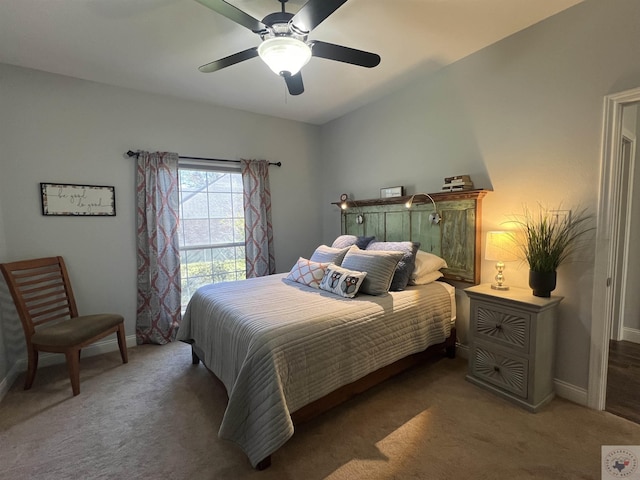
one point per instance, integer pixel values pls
(47, 308)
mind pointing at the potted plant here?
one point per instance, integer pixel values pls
(546, 240)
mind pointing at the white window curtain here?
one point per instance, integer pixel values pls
(158, 255)
(259, 250)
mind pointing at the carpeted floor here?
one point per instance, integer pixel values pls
(158, 416)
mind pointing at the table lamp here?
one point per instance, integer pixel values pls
(500, 248)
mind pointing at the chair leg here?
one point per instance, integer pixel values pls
(122, 343)
(32, 366)
(73, 364)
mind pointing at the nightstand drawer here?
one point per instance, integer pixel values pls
(504, 371)
(502, 325)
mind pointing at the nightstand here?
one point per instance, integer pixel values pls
(512, 344)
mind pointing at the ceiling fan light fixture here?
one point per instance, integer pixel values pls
(284, 54)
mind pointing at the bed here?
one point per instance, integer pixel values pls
(286, 351)
(276, 357)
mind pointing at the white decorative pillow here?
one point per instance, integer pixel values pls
(380, 266)
(427, 263)
(428, 278)
(329, 254)
(342, 281)
(308, 272)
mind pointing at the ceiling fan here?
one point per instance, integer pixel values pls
(285, 48)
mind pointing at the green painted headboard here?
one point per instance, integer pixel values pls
(457, 238)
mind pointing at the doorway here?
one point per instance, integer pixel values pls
(616, 305)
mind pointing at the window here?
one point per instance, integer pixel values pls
(211, 232)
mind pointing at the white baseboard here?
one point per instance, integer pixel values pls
(631, 335)
(462, 351)
(46, 359)
(8, 380)
(571, 392)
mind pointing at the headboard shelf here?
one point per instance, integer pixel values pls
(419, 198)
(457, 238)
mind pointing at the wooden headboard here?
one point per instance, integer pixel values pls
(457, 238)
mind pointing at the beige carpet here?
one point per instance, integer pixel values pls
(158, 416)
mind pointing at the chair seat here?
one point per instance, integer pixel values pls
(75, 330)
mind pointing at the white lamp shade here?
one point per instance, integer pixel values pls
(501, 246)
(284, 54)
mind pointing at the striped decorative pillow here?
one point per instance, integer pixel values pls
(308, 272)
(329, 254)
(405, 266)
(380, 266)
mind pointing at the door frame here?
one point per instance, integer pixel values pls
(608, 258)
(620, 282)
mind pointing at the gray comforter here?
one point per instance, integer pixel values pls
(279, 345)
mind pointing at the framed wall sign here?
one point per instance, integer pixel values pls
(77, 200)
(388, 192)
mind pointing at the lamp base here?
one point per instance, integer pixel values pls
(495, 286)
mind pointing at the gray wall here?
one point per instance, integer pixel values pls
(60, 129)
(524, 118)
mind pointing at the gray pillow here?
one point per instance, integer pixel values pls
(324, 254)
(379, 265)
(347, 240)
(405, 266)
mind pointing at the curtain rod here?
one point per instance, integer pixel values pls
(131, 153)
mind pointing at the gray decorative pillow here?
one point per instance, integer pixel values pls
(348, 240)
(379, 265)
(405, 266)
(324, 254)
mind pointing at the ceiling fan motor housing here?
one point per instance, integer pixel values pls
(279, 25)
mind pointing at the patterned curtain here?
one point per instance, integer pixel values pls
(257, 218)
(158, 256)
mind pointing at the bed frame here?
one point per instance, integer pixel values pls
(456, 238)
(346, 392)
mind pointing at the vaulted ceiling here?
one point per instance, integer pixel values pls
(158, 45)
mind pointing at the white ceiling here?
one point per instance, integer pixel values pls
(157, 45)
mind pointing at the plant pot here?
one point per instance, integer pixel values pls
(542, 283)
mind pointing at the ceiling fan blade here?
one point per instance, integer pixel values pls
(294, 83)
(344, 54)
(313, 13)
(235, 14)
(230, 60)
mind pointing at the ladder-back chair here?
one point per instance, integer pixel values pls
(47, 308)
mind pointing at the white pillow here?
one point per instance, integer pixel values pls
(342, 281)
(428, 278)
(348, 240)
(427, 263)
